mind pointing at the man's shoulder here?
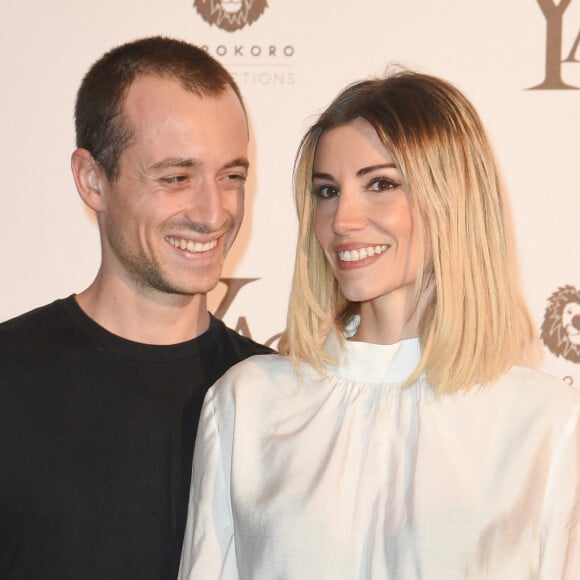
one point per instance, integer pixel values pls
(234, 341)
(34, 343)
(34, 322)
(222, 347)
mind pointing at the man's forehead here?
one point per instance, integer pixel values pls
(153, 100)
(146, 91)
(150, 88)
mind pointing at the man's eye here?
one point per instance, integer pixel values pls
(239, 177)
(382, 184)
(174, 179)
(233, 180)
(325, 191)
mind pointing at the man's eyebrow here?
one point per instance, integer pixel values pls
(173, 162)
(170, 162)
(239, 162)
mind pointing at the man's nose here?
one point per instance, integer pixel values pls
(205, 205)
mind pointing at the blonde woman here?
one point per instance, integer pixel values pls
(399, 434)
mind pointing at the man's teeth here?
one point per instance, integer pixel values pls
(361, 253)
(190, 246)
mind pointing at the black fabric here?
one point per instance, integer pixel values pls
(96, 442)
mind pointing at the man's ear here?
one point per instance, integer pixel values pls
(89, 179)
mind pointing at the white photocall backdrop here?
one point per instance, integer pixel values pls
(290, 59)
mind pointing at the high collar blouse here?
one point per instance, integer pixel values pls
(347, 475)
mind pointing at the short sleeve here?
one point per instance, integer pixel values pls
(208, 548)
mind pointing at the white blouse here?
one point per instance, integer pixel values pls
(347, 476)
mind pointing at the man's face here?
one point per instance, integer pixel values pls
(176, 207)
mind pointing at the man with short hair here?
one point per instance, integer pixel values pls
(100, 392)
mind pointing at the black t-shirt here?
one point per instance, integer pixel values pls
(96, 443)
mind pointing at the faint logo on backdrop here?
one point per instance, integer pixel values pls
(230, 15)
(561, 326)
(253, 61)
(233, 286)
(556, 53)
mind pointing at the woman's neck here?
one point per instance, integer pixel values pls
(389, 319)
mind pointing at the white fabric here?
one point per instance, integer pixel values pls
(350, 477)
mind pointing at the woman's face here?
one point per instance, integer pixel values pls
(363, 219)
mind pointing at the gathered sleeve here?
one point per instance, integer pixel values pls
(208, 548)
(560, 556)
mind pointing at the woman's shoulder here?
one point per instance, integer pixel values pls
(534, 390)
(257, 367)
(256, 374)
(540, 383)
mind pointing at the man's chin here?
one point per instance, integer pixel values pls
(189, 288)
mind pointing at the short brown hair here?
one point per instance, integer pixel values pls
(99, 123)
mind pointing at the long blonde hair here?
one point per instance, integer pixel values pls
(475, 325)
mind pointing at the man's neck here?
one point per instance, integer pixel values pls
(147, 317)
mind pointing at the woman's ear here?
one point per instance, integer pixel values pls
(89, 179)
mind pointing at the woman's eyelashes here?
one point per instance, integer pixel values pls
(380, 183)
(325, 191)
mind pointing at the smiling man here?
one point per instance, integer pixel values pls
(100, 392)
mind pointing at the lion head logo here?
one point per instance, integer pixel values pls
(561, 326)
(230, 15)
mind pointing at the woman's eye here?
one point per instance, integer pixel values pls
(325, 191)
(382, 184)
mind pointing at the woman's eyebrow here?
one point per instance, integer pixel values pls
(360, 173)
(319, 175)
(371, 168)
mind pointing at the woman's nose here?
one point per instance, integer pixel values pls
(350, 214)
